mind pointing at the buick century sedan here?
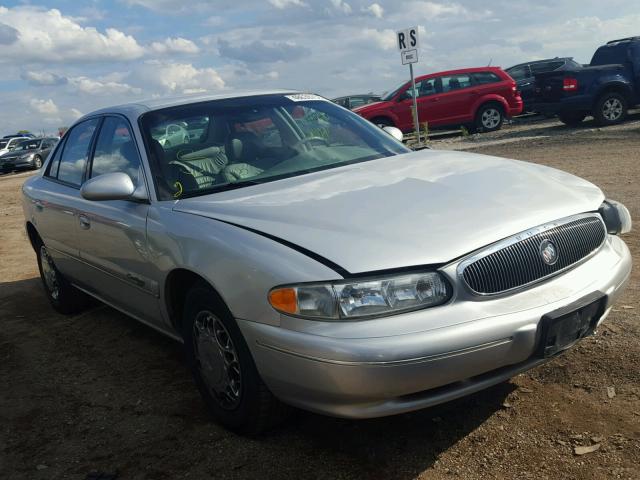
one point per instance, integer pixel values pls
(307, 258)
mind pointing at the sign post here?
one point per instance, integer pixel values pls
(408, 45)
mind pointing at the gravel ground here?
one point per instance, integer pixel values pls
(99, 392)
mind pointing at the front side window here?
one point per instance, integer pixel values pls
(27, 145)
(116, 150)
(76, 152)
(257, 140)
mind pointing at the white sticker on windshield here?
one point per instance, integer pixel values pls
(304, 97)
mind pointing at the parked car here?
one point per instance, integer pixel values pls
(8, 144)
(20, 135)
(333, 269)
(524, 75)
(605, 88)
(27, 154)
(174, 135)
(479, 98)
(353, 101)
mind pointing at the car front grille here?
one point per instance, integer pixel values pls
(518, 261)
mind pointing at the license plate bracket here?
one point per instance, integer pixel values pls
(562, 328)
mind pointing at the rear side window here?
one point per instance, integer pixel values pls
(546, 67)
(76, 152)
(519, 73)
(115, 150)
(482, 78)
(455, 82)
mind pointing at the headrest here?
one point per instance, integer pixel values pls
(242, 147)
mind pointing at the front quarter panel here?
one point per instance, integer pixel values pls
(240, 265)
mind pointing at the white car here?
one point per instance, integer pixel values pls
(174, 135)
(8, 144)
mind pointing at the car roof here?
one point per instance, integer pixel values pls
(136, 109)
(534, 62)
(461, 70)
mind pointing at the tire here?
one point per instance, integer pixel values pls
(382, 122)
(489, 118)
(611, 108)
(63, 296)
(572, 119)
(37, 162)
(223, 368)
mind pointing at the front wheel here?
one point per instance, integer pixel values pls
(63, 296)
(382, 122)
(610, 109)
(37, 162)
(223, 367)
(572, 119)
(489, 118)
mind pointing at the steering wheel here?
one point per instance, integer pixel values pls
(311, 139)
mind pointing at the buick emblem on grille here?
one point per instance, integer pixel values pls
(548, 252)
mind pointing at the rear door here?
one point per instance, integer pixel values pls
(112, 234)
(452, 104)
(57, 205)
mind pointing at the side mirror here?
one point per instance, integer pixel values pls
(110, 186)
(394, 132)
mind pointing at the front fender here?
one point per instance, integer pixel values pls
(240, 265)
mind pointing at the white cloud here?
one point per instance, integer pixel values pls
(287, 3)
(44, 107)
(171, 77)
(97, 87)
(341, 6)
(48, 36)
(374, 9)
(174, 45)
(75, 114)
(43, 78)
(213, 21)
(385, 39)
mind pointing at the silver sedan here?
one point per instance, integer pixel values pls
(305, 257)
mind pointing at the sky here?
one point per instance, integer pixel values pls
(62, 59)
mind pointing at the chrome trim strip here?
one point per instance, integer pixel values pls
(427, 358)
(514, 239)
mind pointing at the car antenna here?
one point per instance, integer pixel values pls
(490, 60)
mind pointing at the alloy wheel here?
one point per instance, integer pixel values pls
(217, 359)
(490, 118)
(612, 109)
(49, 273)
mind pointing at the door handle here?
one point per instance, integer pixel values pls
(84, 222)
(435, 99)
(39, 205)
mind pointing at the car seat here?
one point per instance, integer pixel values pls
(242, 149)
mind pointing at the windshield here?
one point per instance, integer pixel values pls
(220, 145)
(28, 145)
(392, 93)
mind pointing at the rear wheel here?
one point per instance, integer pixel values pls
(611, 108)
(489, 118)
(63, 296)
(572, 119)
(223, 367)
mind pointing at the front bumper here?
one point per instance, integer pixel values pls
(406, 362)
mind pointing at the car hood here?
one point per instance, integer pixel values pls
(372, 106)
(13, 156)
(419, 208)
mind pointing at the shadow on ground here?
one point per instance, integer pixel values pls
(98, 391)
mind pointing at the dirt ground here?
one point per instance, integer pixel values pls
(100, 392)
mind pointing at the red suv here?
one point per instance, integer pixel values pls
(477, 97)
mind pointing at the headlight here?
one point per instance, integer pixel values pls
(362, 299)
(616, 217)
(28, 156)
